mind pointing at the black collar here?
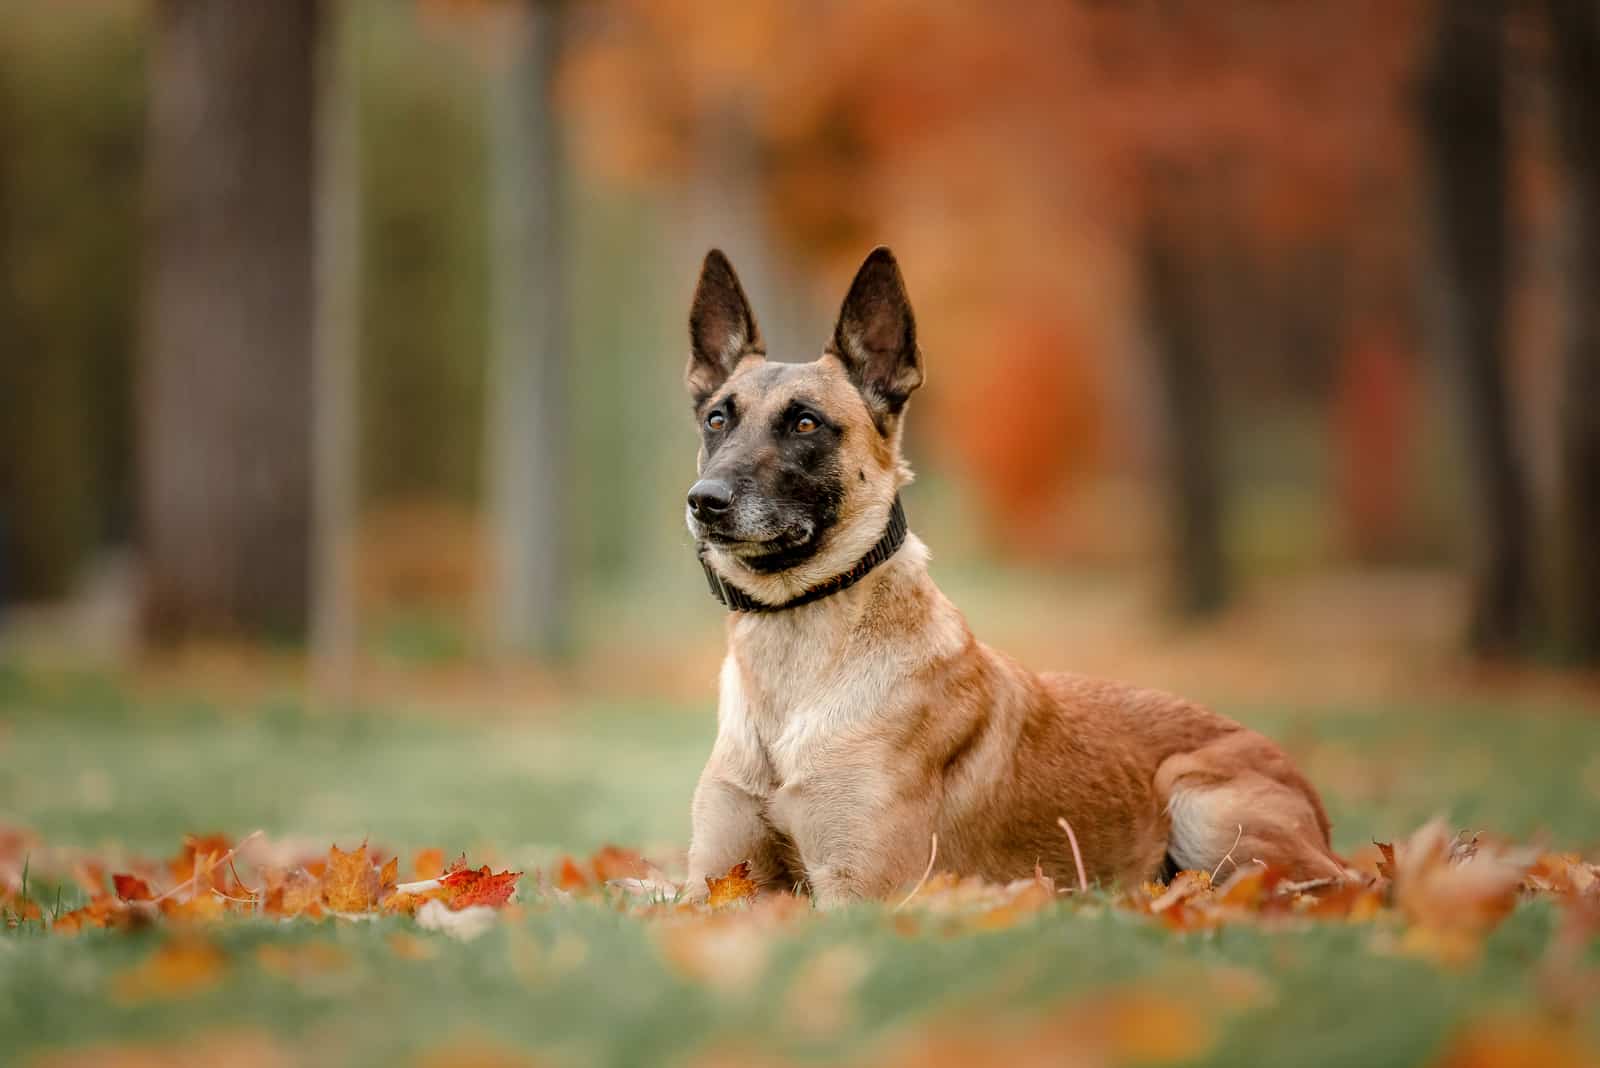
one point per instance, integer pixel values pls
(739, 601)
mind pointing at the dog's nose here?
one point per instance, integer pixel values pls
(709, 498)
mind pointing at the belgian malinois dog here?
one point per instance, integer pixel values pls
(859, 717)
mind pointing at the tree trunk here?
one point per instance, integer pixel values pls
(225, 397)
(1575, 33)
(527, 476)
(1200, 572)
(337, 345)
(1466, 143)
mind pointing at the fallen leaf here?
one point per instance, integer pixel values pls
(613, 862)
(1184, 885)
(291, 893)
(181, 967)
(428, 864)
(1385, 865)
(197, 854)
(388, 875)
(1519, 1042)
(731, 888)
(408, 946)
(132, 888)
(350, 883)
(466, 888)
(570, 877)
(1452, 898)
(302, 962)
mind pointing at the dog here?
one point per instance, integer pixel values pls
(861, 728)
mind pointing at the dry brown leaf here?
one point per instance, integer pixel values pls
(1452, 898)
(291, 893)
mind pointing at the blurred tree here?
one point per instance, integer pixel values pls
(1575, 41)
(527, 429)
(336, 335)
(424, 257)
(225, 401)
(1183, 368)
(1465, 133)
(71, 103)
(1019, 154)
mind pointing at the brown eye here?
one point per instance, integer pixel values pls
(805, 424)
(716, 421)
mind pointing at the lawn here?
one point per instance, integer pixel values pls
(84, 764)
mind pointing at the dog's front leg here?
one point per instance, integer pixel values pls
(857, 839)
(730, 826)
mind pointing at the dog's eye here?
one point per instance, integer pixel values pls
(716, 421)
(806, 424)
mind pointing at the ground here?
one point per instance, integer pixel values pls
(90, 762)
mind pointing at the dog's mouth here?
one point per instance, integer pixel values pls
(768, 555)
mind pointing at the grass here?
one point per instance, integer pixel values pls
(84, 764)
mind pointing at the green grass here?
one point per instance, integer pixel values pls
(83, 764)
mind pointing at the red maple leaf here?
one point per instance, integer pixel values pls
(132, 888)
(481, 887)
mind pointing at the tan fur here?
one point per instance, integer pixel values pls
(852, 729)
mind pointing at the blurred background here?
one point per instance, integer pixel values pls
(342, 339)
(343, 451)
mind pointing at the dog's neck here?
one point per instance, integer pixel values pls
(901, 579)
(840, 658)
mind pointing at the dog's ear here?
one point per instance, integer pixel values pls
(876, 337)
(722, 328)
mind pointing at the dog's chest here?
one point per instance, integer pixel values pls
(792, 701)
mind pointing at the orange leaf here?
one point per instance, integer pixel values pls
(350, 883)
(307, 960)
(132, 888)
(570, 877)
(291, 893)
(612, 862)
(732, 887)
(198, 851)
(1386, 865)
(389, 875)
(180, 968)
(428, 864)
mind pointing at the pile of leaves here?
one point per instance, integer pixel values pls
(202, 883)
(1436, 894)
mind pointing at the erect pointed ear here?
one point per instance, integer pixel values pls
(722, 328)
(876, 337)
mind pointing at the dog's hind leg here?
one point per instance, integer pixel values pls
(1238, 800)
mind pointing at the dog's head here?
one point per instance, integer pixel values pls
(799, 462)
